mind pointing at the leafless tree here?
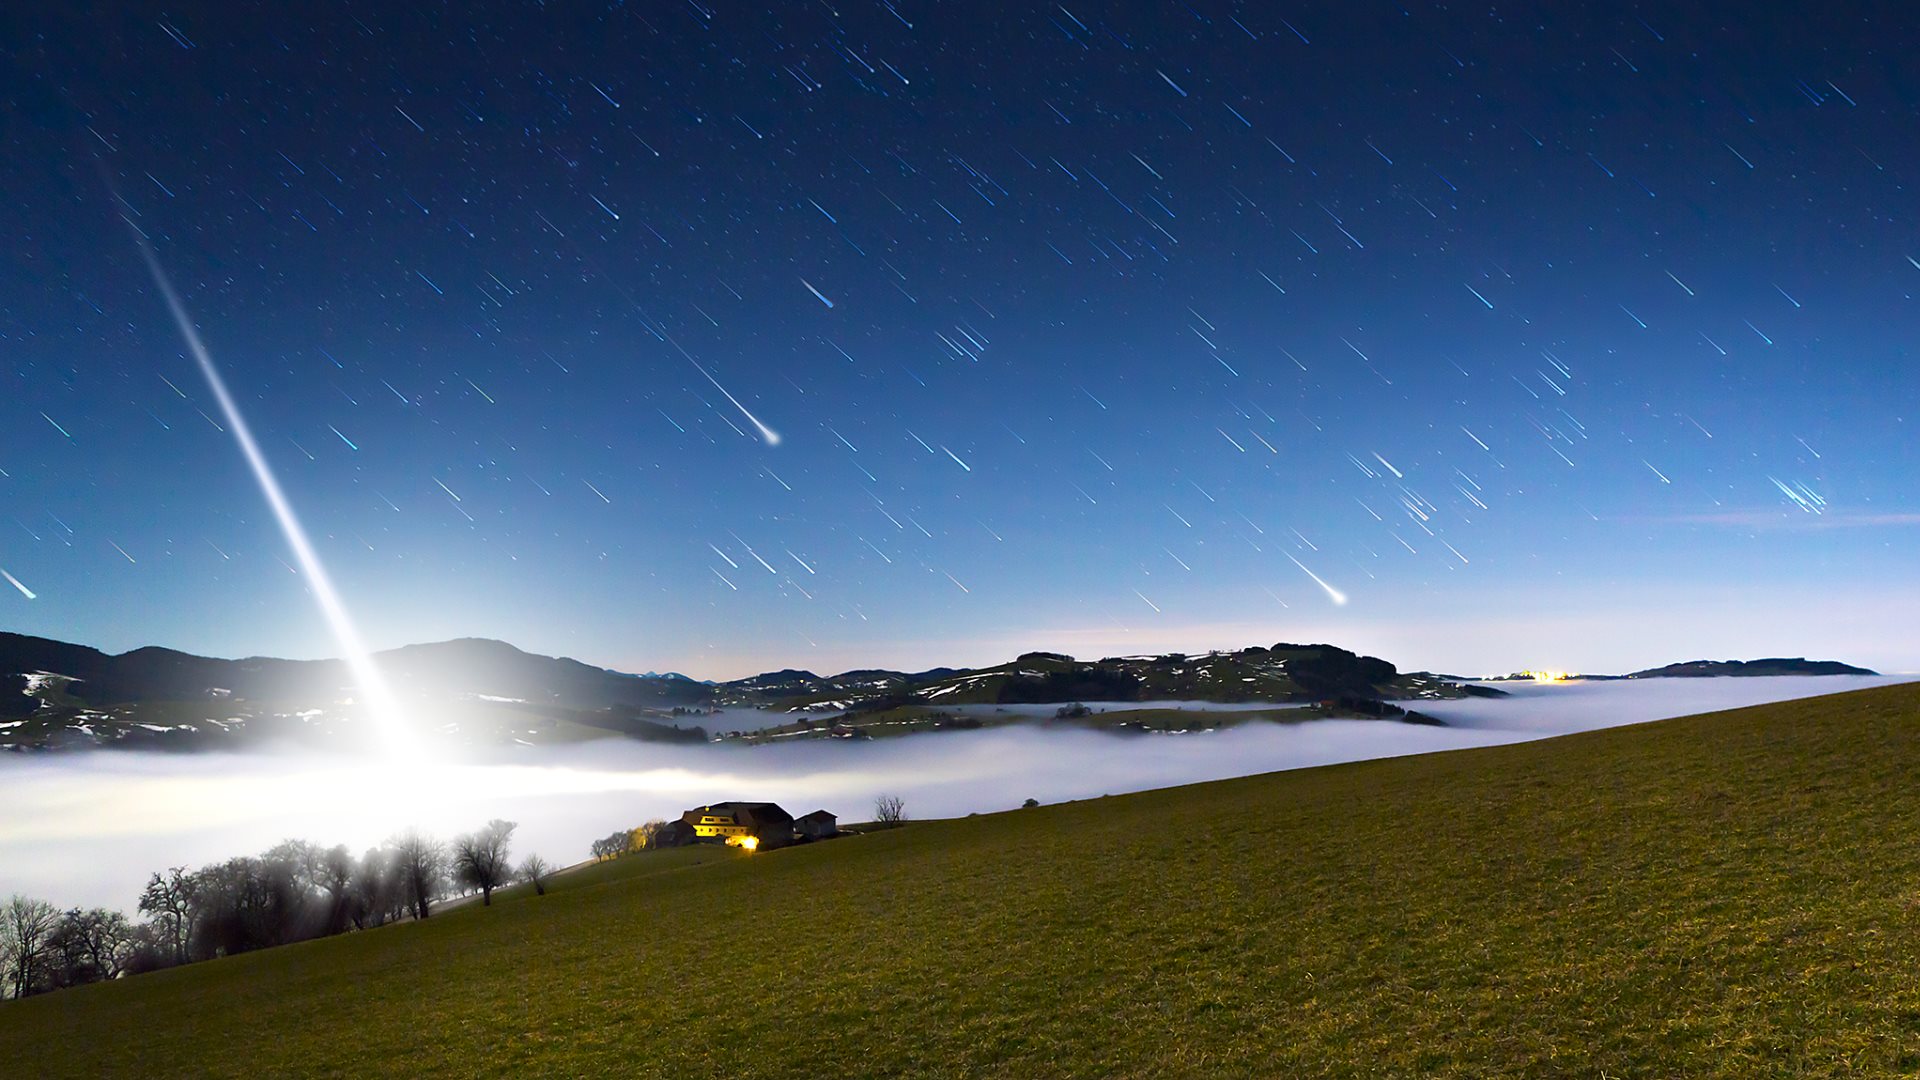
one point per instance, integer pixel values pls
(613, 845)
(168, 900)
(480, 858)
(90, 946)
(420, 863)
(333, 874)
(298, 859)
(534, 872)
(889, 810)
(377, 897)
(242, 904)
(26, 931)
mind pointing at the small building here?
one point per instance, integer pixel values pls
(818, 825)
(734, 822)
(677, 833)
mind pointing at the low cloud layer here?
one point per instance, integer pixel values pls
(88, 828)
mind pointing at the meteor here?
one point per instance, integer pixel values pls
(382, 709)
(15, 582)
(767, 434)
(1333, 594)
(817, 295)
(755, 554)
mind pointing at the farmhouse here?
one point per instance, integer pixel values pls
(764, 823)
(747, 824)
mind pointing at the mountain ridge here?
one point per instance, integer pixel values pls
(482, 690)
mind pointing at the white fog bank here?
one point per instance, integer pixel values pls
(87, 829)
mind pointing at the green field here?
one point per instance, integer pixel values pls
(1733, 895)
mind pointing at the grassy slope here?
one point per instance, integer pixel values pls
(1735, 894)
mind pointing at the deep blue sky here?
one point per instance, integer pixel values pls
(1131, 307)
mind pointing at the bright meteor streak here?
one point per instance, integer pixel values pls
(382, 708)
(15, 582)
(1333, 594)
(767, 434)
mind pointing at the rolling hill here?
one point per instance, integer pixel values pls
(471, 691)
(1727, 895)
(1705, 669)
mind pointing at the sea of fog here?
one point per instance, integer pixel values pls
(88, 828)
(745, 720)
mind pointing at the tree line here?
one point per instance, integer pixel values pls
(621, 841)
(293, 891)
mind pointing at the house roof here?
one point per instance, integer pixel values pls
(815, 814)
(745, 812)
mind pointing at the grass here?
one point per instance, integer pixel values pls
(1735, 895)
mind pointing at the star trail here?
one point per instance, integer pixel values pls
(728, 337)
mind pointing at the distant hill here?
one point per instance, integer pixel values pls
(1694, 669)
(661, 675)
(477, 691)
(472, 690)
(463, 666)
(1698, 669)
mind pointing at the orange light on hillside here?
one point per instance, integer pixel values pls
(1550, 676)
(745, 843)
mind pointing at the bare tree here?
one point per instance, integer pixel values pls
(89, 946)
(889, 810)
(240, 905)
(480, 858)
(168, 900)
(334, 875)
(147, 949)
(377, 898)
(420, 864)
(26, 932)
(535, 872)
(614, 844)
(109, 941)
(648, 836)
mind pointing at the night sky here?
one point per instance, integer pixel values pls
(724, 338)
